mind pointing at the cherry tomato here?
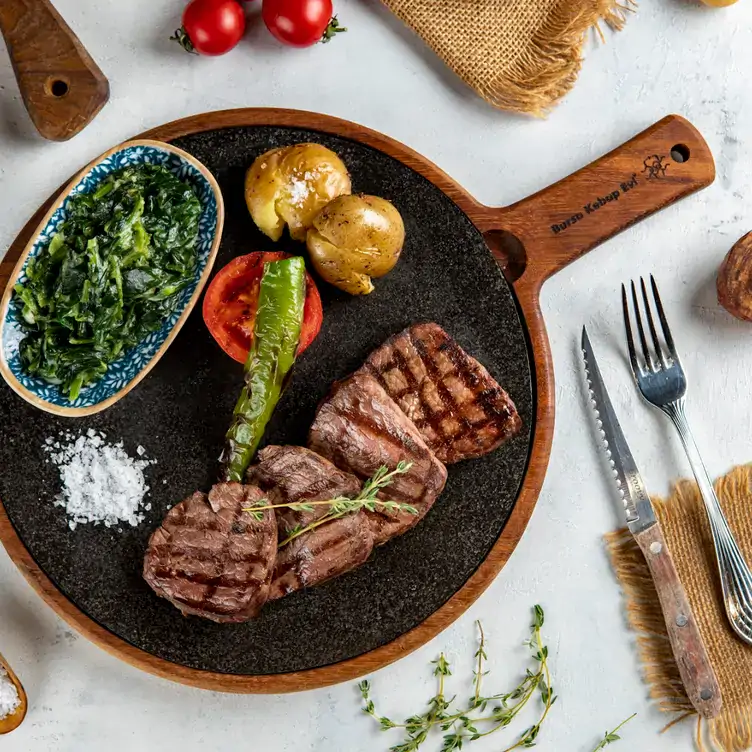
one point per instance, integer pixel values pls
(300, 23)
(211, 27)
(232, 299)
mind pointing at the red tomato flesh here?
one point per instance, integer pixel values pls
(231, 301)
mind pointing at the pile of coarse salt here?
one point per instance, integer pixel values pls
(9, 699)
(100, 482)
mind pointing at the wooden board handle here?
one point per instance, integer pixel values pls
(691, 656)
(62, 87)
(559, 224)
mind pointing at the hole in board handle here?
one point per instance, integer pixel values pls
(680, 153)
(57, 87)
(509, 252)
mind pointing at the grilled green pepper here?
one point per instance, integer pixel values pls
(275, 343)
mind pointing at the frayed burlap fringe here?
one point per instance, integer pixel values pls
(548, 67)
(519, 55)
(685, 527)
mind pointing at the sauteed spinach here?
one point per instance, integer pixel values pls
(110, 275)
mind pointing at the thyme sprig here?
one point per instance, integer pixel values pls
(342, 505)
(611, 736)
(483, 714)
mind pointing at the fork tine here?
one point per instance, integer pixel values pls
(640, 329)
(651, 325)
(630, 339)
(662, 316)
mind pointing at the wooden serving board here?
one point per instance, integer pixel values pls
(416, 585)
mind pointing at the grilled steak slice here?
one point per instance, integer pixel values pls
(212, 559)
(327, 551)
(460, 411)
(291, 474)
(360, 428)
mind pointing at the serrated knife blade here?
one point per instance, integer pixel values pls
(629, 483)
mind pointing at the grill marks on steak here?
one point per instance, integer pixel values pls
(290, 475)
(419, 398)
(459, 409)
(319, 555)
(212, 559)
(360, 428)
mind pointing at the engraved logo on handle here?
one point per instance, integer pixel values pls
(654, 167)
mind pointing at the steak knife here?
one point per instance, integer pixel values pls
(691, 656)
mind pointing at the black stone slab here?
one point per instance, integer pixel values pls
(181, 411)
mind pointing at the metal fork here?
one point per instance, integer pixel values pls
(662, 382)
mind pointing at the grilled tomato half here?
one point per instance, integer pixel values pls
(231, 302)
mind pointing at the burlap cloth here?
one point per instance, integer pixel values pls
(687, 532)
(521, 55)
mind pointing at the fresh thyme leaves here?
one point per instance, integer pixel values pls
(483, 714)
(342, 505)
(611, 736)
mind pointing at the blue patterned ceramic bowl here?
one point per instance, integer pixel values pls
(124, 373)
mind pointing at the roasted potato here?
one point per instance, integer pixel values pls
(354, 238)
(289, 185)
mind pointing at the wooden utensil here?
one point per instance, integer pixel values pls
(14, 720)
(62, 87)
(530, 240)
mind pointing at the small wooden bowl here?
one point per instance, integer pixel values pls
(14, 720)
(128, 370)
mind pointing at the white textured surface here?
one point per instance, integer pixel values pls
(674, 56)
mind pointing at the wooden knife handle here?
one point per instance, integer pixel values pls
(691, 656)
(62, 87)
